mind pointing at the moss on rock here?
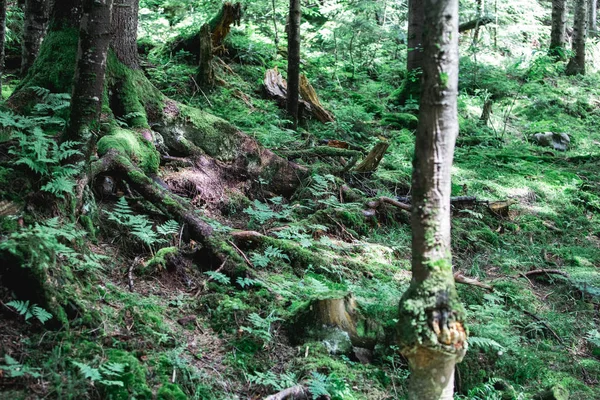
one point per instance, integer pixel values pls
(170, 391)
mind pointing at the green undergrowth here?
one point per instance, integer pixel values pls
(140, 312)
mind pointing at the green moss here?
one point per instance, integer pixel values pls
(214, 135)
(134, 146)
(134, 378)
(54, 68)
(131, 96)
(159, 261)
(170, 391)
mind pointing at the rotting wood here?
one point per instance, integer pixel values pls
(460, 278)
(297, 392)
(230, 15)
(275, 88)
(371, 162)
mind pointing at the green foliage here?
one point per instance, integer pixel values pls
(42, 245)
(261, 213)
(28, 311)
(330, 386)
(107, 374)
(219, 277)
(140, 227)
(261, 327)
(272, 380)
(269, 255)
(13, 369)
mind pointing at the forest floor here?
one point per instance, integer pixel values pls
(175, 327)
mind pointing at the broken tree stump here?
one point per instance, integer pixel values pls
(275, 88)
(206, 69)
(371, 162)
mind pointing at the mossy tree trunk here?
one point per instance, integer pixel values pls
(87, 95)
(430, 327)
(576, 65)
(2, 39)
(36, 21)
(559, 24)
(293, 72)
(206, 71)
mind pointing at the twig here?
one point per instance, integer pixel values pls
(532, 315)
(460, 278)
(241, 253)
(135, 262)
(295, 392)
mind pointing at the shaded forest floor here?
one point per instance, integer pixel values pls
(187, 330)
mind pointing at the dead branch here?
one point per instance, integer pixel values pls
(241, 253)
(467, 26)
(546, 271)
(297, 392)
(130, 272)
(388, 200)
(540, 320)
(460, 278)
(309, 94)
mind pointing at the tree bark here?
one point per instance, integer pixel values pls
(125, 23)
(88, 84)
(2, 40)
(576, 65)
(36, 21)
(559, 24)
(293, 81)
(65, 13)
(430, 327)
(206, 70)
(593, 16)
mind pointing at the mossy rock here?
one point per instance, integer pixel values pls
(556, 392)
(401, 120)
(131, 144)
(170, 391)
(160, 259)
(133, 378)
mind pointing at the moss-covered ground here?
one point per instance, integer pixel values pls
(133, 319)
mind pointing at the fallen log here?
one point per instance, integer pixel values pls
(460, 278)
(547, 272)
(297, 392)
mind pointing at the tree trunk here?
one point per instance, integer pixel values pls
(293, 81)
(559, 23)
(593, 16)
(36, 20)
(125, 22)
(88, 87)
(576, 65)
(65, 14)
(430, 327)
(2, 41)
(206, 70)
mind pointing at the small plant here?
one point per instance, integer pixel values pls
(14, 369)
(262, 213)
(261, 327)
(218, 277)
(330, 386)
(29, 311)
(276, 381)
(107, 374)
(269, 255)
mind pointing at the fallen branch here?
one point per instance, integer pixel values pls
(532, 315)
(371, 162)
(460, 278)
(130, 272)
(546, 271)
(297, 392)
(388, 200)
(467, 26)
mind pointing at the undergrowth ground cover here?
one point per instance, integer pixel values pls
(132, 326)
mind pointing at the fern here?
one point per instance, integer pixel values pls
(168, 228)
(14, 369)
(271, 253)
(270, 379)
(245, 282)
(28, 311)
(261, 327)
(317, 385)
(108, 373)
(485, 344)
(218, 277)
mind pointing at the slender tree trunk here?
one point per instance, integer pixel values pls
(430, 327)
(125, 24)
(293, 73)
(559, 24)
(480, 6)
(206, 71)
(275, 29)
(36, 21)
(2, 41)
(412, 82)
(576, 65)
(88, 84)
(593, 16)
